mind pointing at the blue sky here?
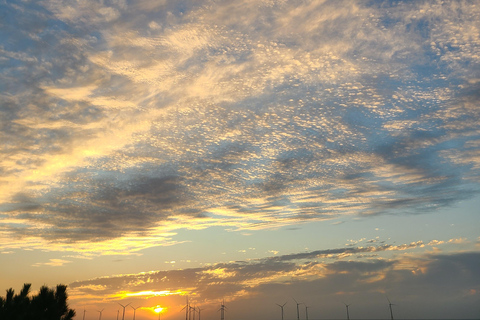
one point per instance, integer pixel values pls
(326, 151)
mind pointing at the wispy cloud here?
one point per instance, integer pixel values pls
(131, 121)
(52, 263)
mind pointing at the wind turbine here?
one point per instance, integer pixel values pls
(84, 311)
(134, 310)
(100, 316)
(346, 306)
(187, 310)
(298, 311)
(194, 310)
(199, 310)
(123, 316)
(281, 306)
(222, 309)
(390, 306)
(118, 311)
(306, 311)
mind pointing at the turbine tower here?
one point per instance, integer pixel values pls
(298, 311)
(84, 311)
(123, 316)
(280, 305)
(134, 310)
(222, 310)
(390, 306)
(306, 311)
(100, 316)
(199, 310)
(348, 314)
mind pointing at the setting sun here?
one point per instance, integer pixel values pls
(158, 309)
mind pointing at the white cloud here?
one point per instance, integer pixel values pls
(52, 263)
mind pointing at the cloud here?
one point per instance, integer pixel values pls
(305, 278)
(52, 263)
(239, 271)
(458, 240)
(131, 121)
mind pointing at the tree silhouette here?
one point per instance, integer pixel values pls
(48, 304)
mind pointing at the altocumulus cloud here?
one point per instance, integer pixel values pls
(132, 120)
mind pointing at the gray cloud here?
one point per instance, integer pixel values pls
(108, 210)
(364, 283)
(240, 271)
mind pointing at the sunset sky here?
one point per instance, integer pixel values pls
(251, 151)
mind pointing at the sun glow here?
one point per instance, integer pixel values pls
(153, 293)
(158, 309)
(124, 294)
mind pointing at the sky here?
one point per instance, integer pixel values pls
(255, 152)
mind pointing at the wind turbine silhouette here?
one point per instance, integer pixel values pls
(348, 314)
(222, 309)
(199, 310)
(298, 311)
(134, 310)
(390, 306)
(306, 311)
(100, 316)
(187, 310)
(281, 306)
(123, 316)
(194, 310)
(84, 311)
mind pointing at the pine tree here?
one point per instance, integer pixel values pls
(48, 304)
